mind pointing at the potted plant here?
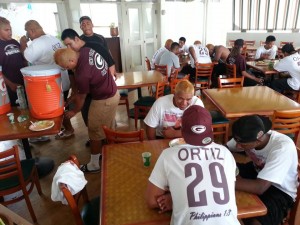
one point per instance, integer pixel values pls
(114, 32)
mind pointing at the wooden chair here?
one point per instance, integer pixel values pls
(16, 175)
(231, 82)
(287, 123)
(231, 43)
(282, 43)
(261, 43)
(148, 65)
(203, 75)
(163, 69)
(173, 74)
(249, 43)
(89, 214)
(293, 217)
(124, 100)
(174, 82)
(143, 104)
(113, 136)
(231, 70)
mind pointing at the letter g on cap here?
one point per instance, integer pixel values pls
(198, 129)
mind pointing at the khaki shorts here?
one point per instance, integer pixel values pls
(102, 112)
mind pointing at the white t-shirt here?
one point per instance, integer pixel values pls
(41, 50)
(290, 64)
(170, 59)
(270, 52)
(157, 55)
(277, 162)
(191, 171)
(164, 113)
(185, 48)
(202, 55)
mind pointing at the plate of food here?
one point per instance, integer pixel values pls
(261, 63)
(41, 125)
(176, 141)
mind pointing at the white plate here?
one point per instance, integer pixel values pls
(176, 141)
(41, 125)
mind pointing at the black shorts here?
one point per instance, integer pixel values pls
(277, 202)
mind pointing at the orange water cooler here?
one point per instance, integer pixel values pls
(4, 98)
(43, 86)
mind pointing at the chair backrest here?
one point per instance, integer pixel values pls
(11, 166)
(174, 74)
(162, 69)
(113, 136)
(287, 123)
(73, 200)
(261, 43)
(148, 65)
(231, 70)
(249, 43)
(231, 42)
(174, 82)
(160, 88)
(282, 43)
(231, 82)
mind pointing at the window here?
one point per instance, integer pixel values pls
(266, 15)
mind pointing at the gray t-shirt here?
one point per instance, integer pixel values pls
(170, 59)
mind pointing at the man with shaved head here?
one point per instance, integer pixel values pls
(157, 55)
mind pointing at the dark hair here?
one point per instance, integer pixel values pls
(182, 39)
(236, 50)
(270, 38)
(174, 45)
(69, 33)
(84, 18)
(288, 48)
(239, 42)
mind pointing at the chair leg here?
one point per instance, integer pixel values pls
(136, 116)
(37, 182)
(226, 133)
(127, 106)
(29, 206)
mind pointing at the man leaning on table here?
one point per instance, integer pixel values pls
(197, 177)
(272, 172)
(164, 118)
(268, 50)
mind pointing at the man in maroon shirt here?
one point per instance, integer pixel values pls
(91, 77)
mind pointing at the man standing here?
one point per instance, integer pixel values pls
(267, 51)
(92, 77)
(40, 52)
(11, 60)
(164, 118)
(272, 173)
(198, 176)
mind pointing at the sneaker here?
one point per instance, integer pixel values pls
(39, 139)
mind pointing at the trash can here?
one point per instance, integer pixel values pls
(44, 91)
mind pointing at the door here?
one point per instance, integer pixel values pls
(140, 38)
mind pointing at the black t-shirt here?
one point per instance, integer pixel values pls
(95, 38)
(102, 51)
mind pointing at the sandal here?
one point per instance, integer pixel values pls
(85, 169)
(63, 134)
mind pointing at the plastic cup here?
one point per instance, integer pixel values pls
(11, 117)
(146, 158)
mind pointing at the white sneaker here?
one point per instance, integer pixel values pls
(39, 139)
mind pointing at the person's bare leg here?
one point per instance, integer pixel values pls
(68, 125)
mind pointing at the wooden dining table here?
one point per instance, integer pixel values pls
(242, 101)
(263, 68)
(138, 79)
(123, 184)
(20, 130)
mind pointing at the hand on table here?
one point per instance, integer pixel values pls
(165, 202)
(169, 132)
(260, 81)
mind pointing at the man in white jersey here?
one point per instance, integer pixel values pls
(272, 173)
(291, 64)
(157, 55)
(40, 51)
(267, 51)
(164, 118)
(199, 176)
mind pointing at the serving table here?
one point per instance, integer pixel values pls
(124, 180)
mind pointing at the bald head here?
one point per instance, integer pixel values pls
(33, 29)
(197, 42)
(210, 48)
(168, 44)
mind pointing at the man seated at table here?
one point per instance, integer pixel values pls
(291, 64)
(218, 54)
(171, 59)
(164, 118)
(272, 172)
(198, 54)
(236, 58)
(92, 76)
(183, 48)
(267, 51)
(197, 177)
(157, 55)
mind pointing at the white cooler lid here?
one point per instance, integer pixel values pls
(40, 70)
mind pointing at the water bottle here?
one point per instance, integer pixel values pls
(21, 97)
